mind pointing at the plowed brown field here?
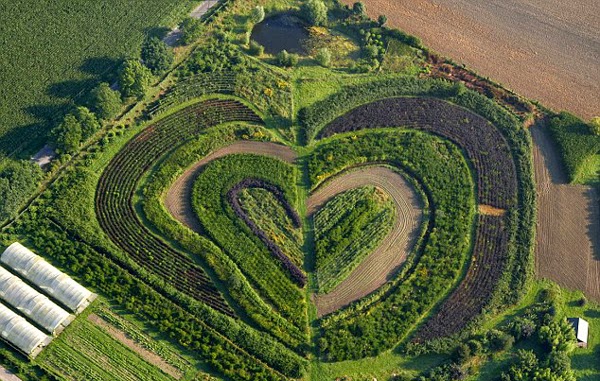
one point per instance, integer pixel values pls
(386, 259)
(568, 229)
(544, 49)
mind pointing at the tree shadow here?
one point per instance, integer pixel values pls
(157, 31)
(102, 69)
(71, 89)
(592, 314)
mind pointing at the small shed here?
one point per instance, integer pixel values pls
(581, 331)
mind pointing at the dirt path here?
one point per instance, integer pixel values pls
(383, 262)
(544, 49)
(173, 36)
(568, 228)
(178, 199)
(121, 337)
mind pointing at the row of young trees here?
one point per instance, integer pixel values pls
(105, 102)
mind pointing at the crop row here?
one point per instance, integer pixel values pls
(117, 185)
(222, 225)
(233, 197)
(484, 145)
(475, 291)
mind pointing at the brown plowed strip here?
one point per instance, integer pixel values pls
(178, 199)
(568, 227)
(489, 210)
(121, 337)
(544, 49)
(385, 260)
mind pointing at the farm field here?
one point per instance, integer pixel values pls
(545, 50)
(568, 223)
(296, 191)
(75, 46)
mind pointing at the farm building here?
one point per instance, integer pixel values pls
(33, 305)
(47, 278)
(20, 334)
(581, 331)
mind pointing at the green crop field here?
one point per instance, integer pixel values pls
(293, 192)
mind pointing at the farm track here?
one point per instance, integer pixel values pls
(543, 49)
(380, 265)
(568, 227)
(178, 198)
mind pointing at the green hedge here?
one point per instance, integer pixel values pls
(575, 142)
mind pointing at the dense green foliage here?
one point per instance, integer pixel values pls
(156, 55)
(105, 102)
(82, 45)
(439, 167)
(191, 30)
(235, 238)
(134, 79)
(315, 12)
(18, 180)
(575, 142)
(75, 128)
(347, 229)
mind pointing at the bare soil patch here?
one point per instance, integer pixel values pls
(121, 337)
(568, 227)
(386, 259)
(178, 199)
(489, 210)
(544, 49)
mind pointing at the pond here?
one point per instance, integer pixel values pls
(281, 32)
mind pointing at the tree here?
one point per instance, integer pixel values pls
(558, 336)
(595, 125)
(191, 29)
(286, 59)
(315, 11)
(359, 8)
(67, 135)
(88, 121)
(324, 57)
(382, 20)
(18, 180)
(256, 49)
(134, 79)
(157, 56)
(105, 101)
(258, 14)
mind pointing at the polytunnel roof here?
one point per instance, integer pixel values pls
(37, 307)
(21, 334)
(47, 277)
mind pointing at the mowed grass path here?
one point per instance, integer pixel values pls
(53, 51)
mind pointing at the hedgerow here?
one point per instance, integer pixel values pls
(574, 141)
(235, 237)
(347, 229)
(439, 167)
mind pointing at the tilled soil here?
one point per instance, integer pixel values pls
(547, 50)
(178, 199)
(568, 226)
(380, 265)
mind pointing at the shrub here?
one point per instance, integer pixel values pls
(595, 126)
(105, 102)
(18, 180)
(462, 353)
(134, 79)
(475, 347)
(558, 336)
(382, 20)
(500, 341)
(359, 8)
(258, 14)
(191, 29)
(315, 12)
(582, 301)
(88, 121)
(286, 59)
(157, 56)
(324, 57)
(256, 49)
(67, 135)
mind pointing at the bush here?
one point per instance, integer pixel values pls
(105, 102)
(558, 336)
(315, 12)
(256, 49)
(595, 126)
(324, 57)
(382, 20)
(359, 8)
(462, 353)
(18, 180)
(67, 135)
(157, 56)
(500, 341)
(258, 14)
(134, 79)
(191, 29)
(88, 121)
(286, 59)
